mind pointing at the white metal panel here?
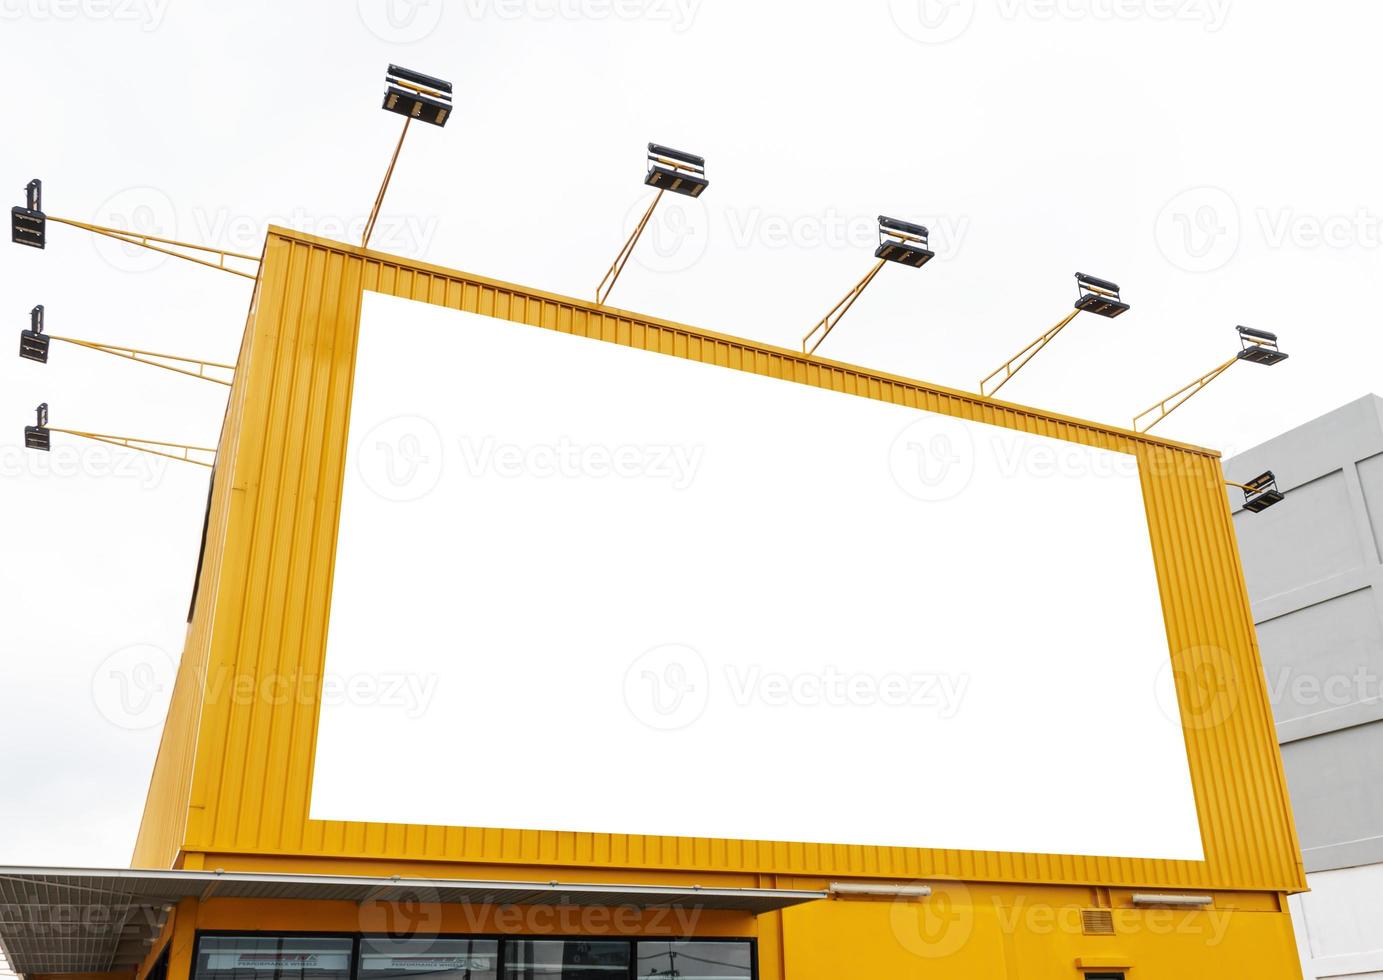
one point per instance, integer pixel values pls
(1339, 924)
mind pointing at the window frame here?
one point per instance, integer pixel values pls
(356, 937)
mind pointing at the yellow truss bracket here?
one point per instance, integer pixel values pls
(168, 450)
(837, 312)
(602, 291)
(1176, 399)
(147, 357)
(145, 241)
(1015, 363)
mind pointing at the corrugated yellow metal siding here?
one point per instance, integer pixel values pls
(161, 832)
(282, 460)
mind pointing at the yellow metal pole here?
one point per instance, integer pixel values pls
(141, 445)
(616, 267)
(143, 241)
(418, 88)
(837, 312)
(1179, 397)
(676, 165)
(388, 175)
(1009, 368)
(142, 357)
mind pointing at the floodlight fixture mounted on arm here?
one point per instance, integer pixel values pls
(899, 241)
(1255, 347)
(413, 95)
(34, 345)
(29, 226)
(1260, 493)
(1098, 296)
(40, 437)
(668, 170)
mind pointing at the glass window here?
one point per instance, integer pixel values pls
(273, 958)
(570, 959)
(429, 959)
(695, 961)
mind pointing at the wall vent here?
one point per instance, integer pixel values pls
(1097, 922)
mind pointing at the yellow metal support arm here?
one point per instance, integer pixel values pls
(1176, 399)
(1015, 363)
(148, 357)
(146, 241)
(829, 321)
(602, 291)
(388, 175)
(154, 447)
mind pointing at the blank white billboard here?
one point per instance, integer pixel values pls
(584, 587)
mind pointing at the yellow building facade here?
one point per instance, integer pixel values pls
(228, 803)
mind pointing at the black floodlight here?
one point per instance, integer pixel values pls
(33, 343)
(1098, 296)
(1259, 346)
(1261, 492)
(417, 96)
(673, 170)
(37, 436)
(903, 242)
(29, 225)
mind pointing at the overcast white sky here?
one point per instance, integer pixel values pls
(1214, 157)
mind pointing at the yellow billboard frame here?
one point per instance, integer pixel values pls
(232, 779)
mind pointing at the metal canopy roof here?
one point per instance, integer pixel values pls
(78, 920)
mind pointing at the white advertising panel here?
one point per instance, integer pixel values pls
(584, 587)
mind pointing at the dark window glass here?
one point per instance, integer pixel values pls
(273, 958)
(429, 959)
(570, 959)
(695, 961)
(159, 971)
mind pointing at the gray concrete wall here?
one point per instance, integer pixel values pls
(1316, 583)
